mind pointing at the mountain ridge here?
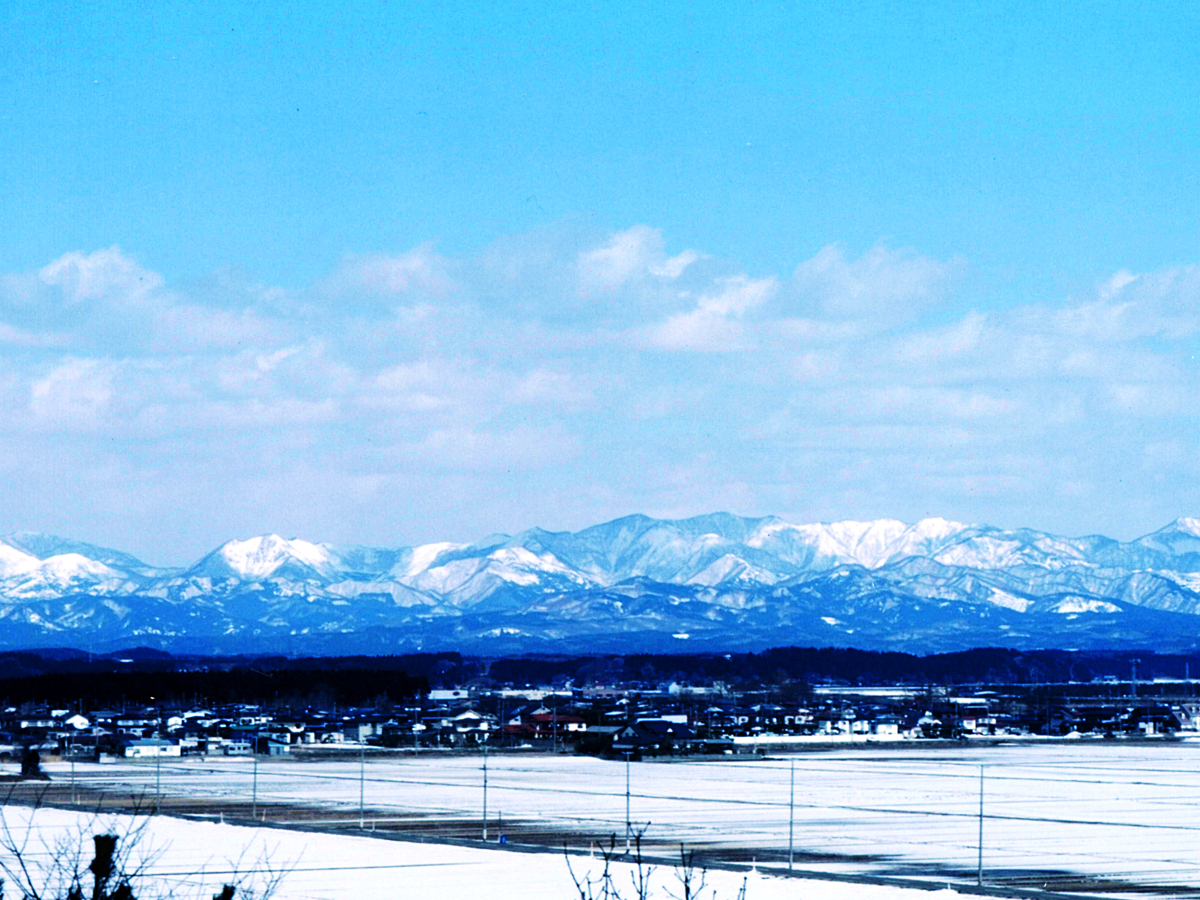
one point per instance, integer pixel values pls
(712, 581)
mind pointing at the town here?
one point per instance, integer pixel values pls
(636, 720)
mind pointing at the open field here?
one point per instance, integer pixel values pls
(1115, 817)
(191, 860)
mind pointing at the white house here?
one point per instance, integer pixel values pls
(147, 747)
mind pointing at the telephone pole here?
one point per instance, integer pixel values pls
(979, 871)
(485, 792)
(627, 820)
(791, 814)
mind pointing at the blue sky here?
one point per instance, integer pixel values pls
(397, 272)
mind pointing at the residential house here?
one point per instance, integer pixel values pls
(652, 737)
(149, 747)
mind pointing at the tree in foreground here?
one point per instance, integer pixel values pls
(53, 868)
(690, 880)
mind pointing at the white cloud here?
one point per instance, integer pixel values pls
(420, 270)
(696, 331)
(103, 275)
(914, 403)
(630, 256)
(270, 413)
(265, 362)
(1166, 454)
(543, 386)
(250, 371)
(422, 375)
(428, 386)
(498, 450)
(948, 341)
(627, 255)
(76, 393)
(1130, 307)
(1116, 283)
(737, 296)
(21, 338)
(675, 266)
(713, 325)
(814, 331)
(893, 285)
(188, 327)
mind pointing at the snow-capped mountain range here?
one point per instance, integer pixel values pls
(712, 582)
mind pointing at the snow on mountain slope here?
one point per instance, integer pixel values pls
(420, 559)
(639, 546)
(1176, 545)
(871, 544)
(469, 579)
(401, 595)
(983, 547)
(730, 568)
(1009, 601)
(924, 538)
(14, 562)
(23, 574)
(866, 543)
(43, 546)
(265, 556)
(1077, 605)
(65, 572)
(68, 567)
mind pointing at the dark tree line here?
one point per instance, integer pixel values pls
(287, 686)
(992, 665)
(65, 678)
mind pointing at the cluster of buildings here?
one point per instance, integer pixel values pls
(638, 721)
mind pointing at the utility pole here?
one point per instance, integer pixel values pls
(485, 792)
(627, 820)
(158, 774)
(362, 780)
(979, 871)
(1133, 677)
(791, 814)
(254, 788)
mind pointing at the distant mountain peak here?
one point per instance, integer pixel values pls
(260, 557)
(936, 525)
(44, 546)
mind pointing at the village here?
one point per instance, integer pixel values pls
(821, 781)
(637, 721)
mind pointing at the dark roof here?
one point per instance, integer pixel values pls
(657, 729)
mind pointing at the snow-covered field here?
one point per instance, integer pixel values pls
(191, 860)
(1118, 810)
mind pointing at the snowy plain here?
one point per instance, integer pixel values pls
(191, 860)
(1124, 811)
